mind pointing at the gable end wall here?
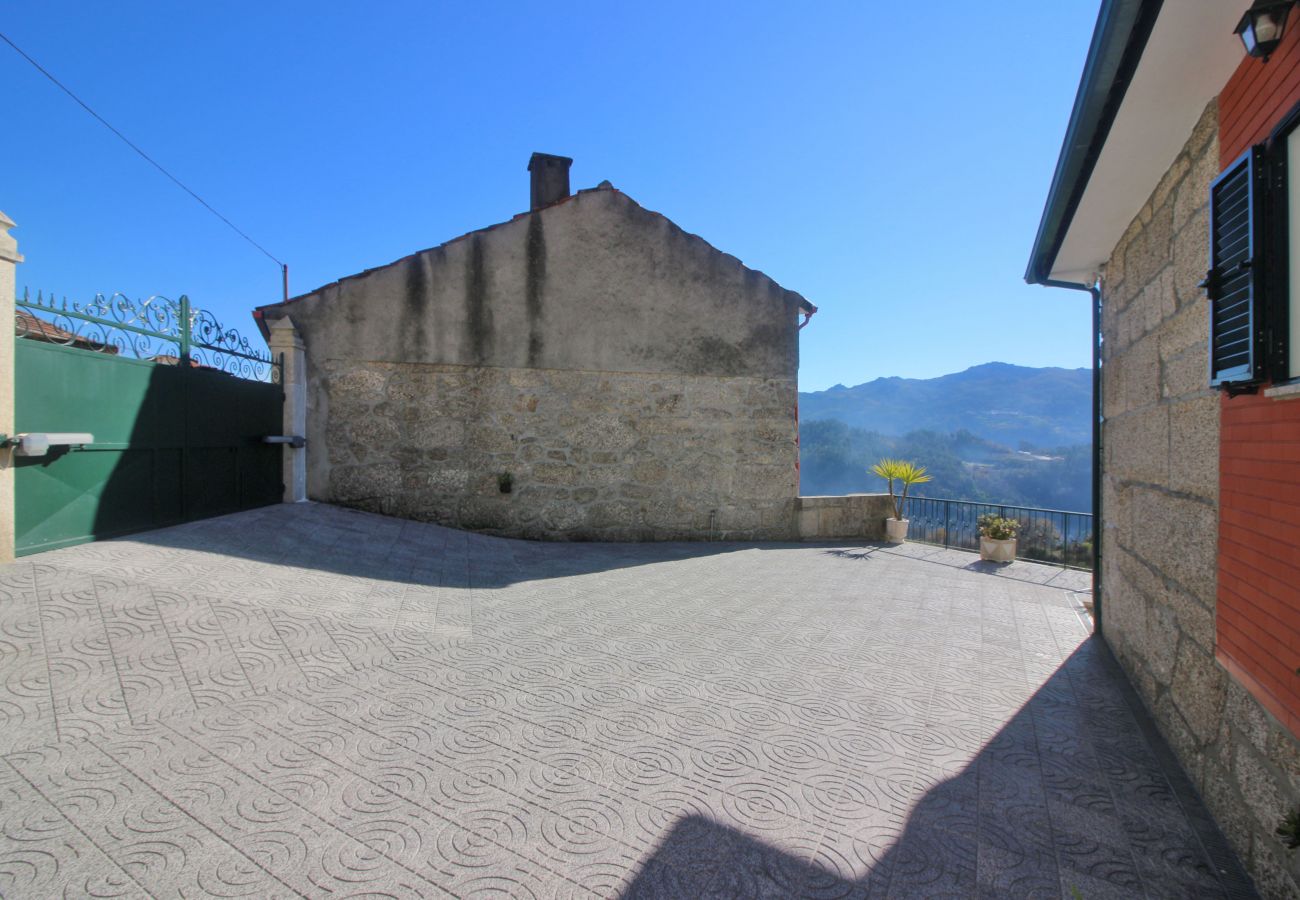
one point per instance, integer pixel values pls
(632, 381)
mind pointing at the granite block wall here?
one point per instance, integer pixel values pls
(851, 517)
(591, 455)
(1160, 518)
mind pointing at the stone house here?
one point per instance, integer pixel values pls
(586, 370)
(1172, 205)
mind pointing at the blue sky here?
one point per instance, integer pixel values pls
(887, 161)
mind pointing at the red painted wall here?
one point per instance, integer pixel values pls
(1258, 614)
(1258, 94)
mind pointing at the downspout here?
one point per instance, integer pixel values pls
(1097, 529)
(807, 312)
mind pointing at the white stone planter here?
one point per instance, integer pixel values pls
(997, 551)
(895, 530)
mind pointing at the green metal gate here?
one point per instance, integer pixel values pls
(178, 408)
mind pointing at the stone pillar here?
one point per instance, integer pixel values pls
(287, 345)
(9, 259)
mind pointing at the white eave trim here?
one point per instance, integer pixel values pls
(1187, 60)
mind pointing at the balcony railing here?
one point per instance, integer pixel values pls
(1046, 535)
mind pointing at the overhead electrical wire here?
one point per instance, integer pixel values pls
(149, 159)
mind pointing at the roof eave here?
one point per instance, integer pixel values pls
(1120, 36)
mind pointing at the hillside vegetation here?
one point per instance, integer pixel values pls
(994, 433)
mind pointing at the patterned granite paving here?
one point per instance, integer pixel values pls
(308, 701)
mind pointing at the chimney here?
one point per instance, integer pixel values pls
(550, 179)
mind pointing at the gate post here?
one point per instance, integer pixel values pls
(9, 259)
(287, 346)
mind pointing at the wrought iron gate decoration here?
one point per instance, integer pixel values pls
(155, 329)
(177, 404)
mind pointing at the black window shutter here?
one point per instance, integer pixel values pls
(1234, 281)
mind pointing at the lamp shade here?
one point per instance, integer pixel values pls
(1261, 27)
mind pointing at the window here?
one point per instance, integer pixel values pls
(1289, 147)
(1252, 284)
(1234, 281)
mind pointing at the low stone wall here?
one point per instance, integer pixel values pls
(592, 455)
(844, 517)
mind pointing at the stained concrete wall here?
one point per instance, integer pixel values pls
(1160, 518)
(635, 382)
(594, 283)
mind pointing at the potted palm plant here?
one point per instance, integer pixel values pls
(998, 538)
(906, 474)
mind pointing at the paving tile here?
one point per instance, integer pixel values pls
(304, 699)
(929, 863)
(865, 858)
(1006, 869)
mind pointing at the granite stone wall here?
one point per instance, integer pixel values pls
(844, 517)
(591, 455)
(631, 380)
(1160, 518)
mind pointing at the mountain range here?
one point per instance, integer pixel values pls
(1010, 405)
(995, 433)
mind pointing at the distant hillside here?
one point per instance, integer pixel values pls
(998, 402)
(836, 459)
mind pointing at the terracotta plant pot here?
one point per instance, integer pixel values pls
(997, 551)
(896, 530)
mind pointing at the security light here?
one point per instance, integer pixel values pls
(1261, 27)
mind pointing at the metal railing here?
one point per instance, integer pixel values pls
(155, 329)
(1050, 536)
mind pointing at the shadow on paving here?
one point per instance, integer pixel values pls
(1028, 571)
(356, 544)
(1076, 796)
(368, 545)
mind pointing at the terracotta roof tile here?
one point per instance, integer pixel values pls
(35, 328)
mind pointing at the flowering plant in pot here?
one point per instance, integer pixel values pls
(998, 538)
(906, 474)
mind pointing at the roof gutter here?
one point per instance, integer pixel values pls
(1123, 27)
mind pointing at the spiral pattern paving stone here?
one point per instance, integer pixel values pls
(305, 701)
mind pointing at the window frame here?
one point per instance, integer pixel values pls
(1279, 304)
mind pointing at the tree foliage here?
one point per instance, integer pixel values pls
(835, 459)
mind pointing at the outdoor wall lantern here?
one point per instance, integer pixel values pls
(1261, 27)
